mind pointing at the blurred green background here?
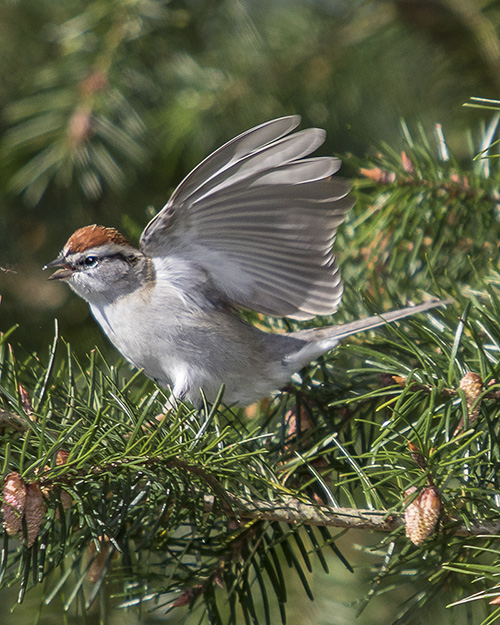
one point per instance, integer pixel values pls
(106, 105)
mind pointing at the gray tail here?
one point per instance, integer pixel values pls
(337, 333)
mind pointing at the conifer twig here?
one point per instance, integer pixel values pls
(291, 510)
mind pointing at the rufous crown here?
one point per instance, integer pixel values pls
(93, 236)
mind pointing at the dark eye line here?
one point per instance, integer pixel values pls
(92, 260)
(124, 257)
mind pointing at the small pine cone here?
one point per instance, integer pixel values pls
(34, 511)
(98, 559)
(417, 455)
(422, 514)
(14, 499)
(188, 595)
(380, 176)
(96, 81)
(62, 457)
(296, 424)
(399, 380)
(66, 499)
(80, 126)
(26, 402)
(472, 385)
(408, 166)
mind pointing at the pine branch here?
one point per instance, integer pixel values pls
(295, 511)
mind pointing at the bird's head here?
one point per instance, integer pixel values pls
(98, 262)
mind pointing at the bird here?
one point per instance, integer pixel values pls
(251, 227)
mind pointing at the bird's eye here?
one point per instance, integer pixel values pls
(90, 261)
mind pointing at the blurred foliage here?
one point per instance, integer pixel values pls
(106, 105)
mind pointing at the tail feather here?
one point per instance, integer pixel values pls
(339, 332)
(309, 344)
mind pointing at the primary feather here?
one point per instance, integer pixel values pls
(260, 219)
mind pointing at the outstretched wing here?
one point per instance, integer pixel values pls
(261, 220)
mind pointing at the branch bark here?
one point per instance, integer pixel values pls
(291, 510)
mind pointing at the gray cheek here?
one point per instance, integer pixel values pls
(108, 272)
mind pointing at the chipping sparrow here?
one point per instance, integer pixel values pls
(252, 226)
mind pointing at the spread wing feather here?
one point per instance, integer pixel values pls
(233, 151)
(261, 220)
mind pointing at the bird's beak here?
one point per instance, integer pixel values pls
(60, 274)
